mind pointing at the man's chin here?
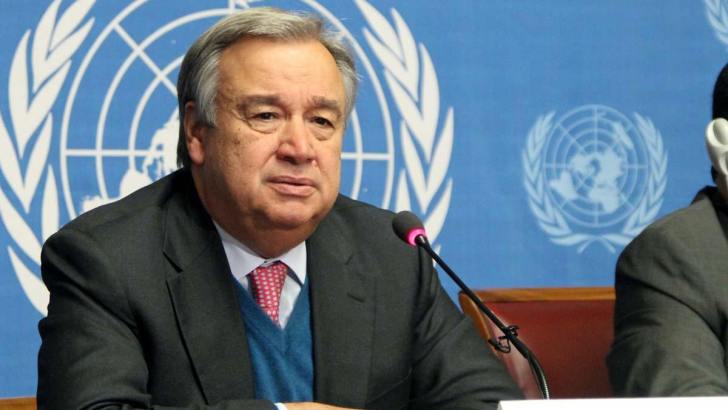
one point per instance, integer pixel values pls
(293, 215)
(290, 219)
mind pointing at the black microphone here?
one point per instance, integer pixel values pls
(409, 228)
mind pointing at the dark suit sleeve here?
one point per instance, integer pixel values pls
(453, 367)
(91, 356)
(666, 320)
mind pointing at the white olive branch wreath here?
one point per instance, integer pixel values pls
(717, 15)
(32, 93)
(414, 87)
(553, 223)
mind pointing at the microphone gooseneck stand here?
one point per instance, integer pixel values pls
(510, 333)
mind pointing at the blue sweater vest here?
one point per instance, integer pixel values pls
(282, 359)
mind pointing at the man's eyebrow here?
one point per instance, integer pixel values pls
(258, 100)
(275, 100)
(327, 104)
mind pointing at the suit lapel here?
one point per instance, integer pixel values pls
(342, 302)
(204, 299)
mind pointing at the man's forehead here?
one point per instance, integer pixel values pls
(248, 42)
(262, 57)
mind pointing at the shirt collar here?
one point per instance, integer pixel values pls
(243, 260)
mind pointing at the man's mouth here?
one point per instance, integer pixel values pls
(293, 186)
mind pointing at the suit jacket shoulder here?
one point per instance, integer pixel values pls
(691, 242)
(672, 303)
(691, 222)
(390, 290)
(142, 287)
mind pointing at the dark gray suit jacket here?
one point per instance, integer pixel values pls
(671, 327)
(143, 313)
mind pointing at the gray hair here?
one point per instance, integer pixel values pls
(198, 76)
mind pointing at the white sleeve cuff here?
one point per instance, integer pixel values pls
(281, 406)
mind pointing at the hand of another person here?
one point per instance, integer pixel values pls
(313, 406)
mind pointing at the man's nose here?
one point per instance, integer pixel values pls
(296, 142)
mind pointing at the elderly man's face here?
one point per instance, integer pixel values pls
(273, 160)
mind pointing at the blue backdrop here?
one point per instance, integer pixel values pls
(534, 138)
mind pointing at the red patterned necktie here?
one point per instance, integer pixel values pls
(266, 284)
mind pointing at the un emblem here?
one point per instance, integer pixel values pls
(118, 126)
(593, 175)
(127, 83)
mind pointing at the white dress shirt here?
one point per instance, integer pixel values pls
(243, 261)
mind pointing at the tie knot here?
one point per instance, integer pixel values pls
(266, 284)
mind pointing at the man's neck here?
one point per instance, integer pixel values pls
(722, 188)
(270, 243)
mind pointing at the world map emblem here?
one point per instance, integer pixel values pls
(593, 175)
(117, 128)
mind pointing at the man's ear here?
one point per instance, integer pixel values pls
(195, 133)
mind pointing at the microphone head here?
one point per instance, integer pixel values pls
(408, 227)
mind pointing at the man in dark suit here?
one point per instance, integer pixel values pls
(243, 280)
(671, 329)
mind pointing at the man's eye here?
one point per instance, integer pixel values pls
(263, 121)
(322, 122)
(266, 116)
